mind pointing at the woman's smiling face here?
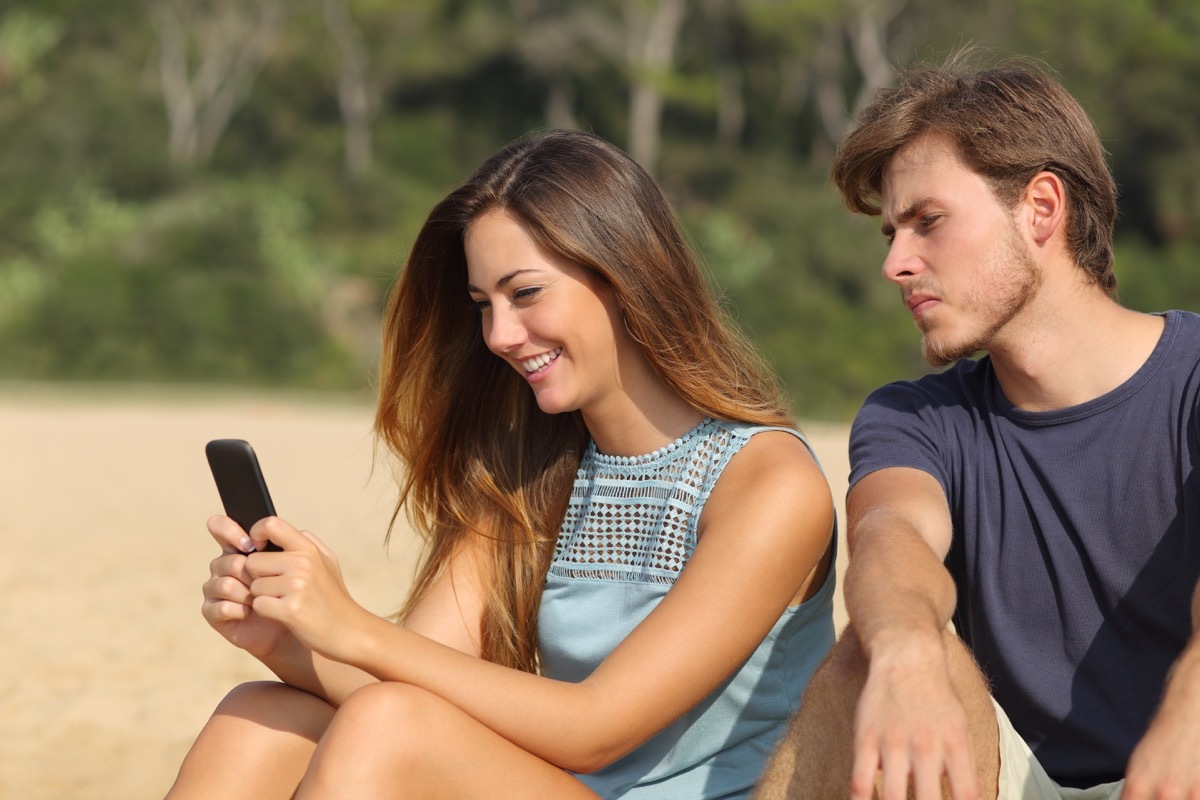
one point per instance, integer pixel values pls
(556, 322)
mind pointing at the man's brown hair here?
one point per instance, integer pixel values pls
(1008, 123)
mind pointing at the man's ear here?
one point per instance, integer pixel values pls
(1045, 206)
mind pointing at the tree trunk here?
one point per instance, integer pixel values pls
(828, 93)
(353, 93)
(651, 35)
(233, 40)
(560, 102)
(868, 42)
(731, 101)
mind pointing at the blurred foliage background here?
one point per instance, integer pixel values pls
(221, 191)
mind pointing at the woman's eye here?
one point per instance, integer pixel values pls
(528, 293)
(479, 306)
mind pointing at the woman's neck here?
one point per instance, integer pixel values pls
(641, 426)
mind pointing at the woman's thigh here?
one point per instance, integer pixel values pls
(394, 740)
(257, 744)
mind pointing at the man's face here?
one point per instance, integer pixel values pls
(955, 252)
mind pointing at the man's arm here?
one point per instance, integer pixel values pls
(1166, 762)
(899, 531)
(910, 723)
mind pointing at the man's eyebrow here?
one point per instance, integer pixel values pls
(504, 279)
(913, 211)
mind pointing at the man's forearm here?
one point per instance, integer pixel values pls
(1196, 612)
(895, 583)
(1164, 762)
(1183, 681)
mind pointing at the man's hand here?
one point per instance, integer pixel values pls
(1166, 763)
(911, 726)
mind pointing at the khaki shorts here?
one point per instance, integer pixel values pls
(1022, 777)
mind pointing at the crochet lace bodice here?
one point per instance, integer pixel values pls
(634, 518)
(628, 533)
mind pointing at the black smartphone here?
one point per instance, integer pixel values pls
(240, 482)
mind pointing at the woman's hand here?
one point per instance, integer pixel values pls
(301, 588)
(227, 596)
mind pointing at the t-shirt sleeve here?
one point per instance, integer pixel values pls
(897, 427)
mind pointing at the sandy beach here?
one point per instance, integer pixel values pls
(109, 668)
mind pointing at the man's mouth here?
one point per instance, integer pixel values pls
(916, 303)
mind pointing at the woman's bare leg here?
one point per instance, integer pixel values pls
(392, 740)
(257, 744)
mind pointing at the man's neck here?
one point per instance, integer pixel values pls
(1071, 346)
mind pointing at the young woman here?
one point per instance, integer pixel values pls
(628, 573)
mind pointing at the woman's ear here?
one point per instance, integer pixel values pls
(1046, 203)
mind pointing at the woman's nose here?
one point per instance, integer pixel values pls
(503, 331)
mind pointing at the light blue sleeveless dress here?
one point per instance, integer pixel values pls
(628, 533)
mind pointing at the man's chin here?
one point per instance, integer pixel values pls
(938, 353)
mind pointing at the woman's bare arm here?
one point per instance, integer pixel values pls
(765, 540)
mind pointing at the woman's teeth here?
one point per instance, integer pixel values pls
(538, 363)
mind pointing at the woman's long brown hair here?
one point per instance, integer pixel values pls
(479, 458)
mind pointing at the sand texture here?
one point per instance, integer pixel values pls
(109, 669)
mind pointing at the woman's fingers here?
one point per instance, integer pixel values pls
(229, 535)
(277, 531)
(228, 587)
(317, 543)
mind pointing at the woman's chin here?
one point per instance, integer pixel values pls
(550, 403)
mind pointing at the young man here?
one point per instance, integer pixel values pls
(1044, 499)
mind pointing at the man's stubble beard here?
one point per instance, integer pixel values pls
(1024, 278)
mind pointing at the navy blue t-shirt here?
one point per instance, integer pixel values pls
(1076, 544)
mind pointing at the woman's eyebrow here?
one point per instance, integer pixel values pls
(504, 279)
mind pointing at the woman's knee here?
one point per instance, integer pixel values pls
(253, 696)
(406, 727)
(406, 713)
(384, 735)
(257, 743)
(276, 708)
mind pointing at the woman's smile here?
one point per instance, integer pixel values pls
(535, 306)
(538, 364)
